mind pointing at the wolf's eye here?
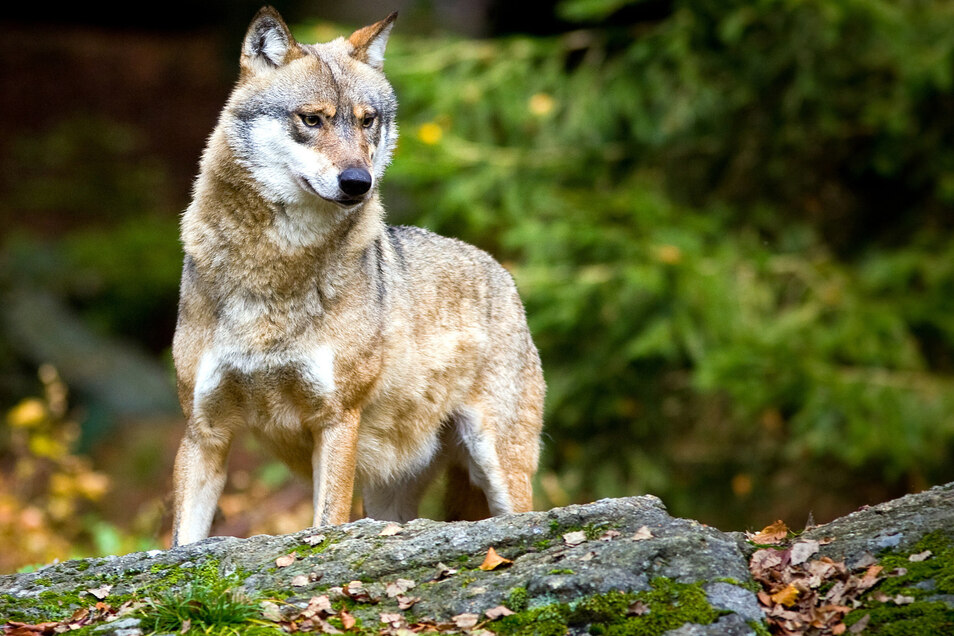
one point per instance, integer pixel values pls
(367, 120)
(312, 121)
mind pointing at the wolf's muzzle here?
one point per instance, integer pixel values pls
(354, 181)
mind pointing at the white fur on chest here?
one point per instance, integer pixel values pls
(237, 352)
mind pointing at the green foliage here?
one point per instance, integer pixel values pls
(723, 226)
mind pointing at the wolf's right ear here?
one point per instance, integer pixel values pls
(268, 42)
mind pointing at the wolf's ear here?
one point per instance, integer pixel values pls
(370, 41)
(268, 42)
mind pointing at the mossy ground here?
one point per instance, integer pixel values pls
(923, 581)
(666, 606)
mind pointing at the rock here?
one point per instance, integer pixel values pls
(635, 561)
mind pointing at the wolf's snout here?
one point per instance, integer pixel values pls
(354, 181)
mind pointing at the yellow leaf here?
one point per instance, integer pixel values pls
(493, 560)
(773, 533)
(787, 596)
(29, 413)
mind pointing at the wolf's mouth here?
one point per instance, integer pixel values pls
(347, 202)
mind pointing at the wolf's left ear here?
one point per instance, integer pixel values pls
(370, 41)
(268, 42)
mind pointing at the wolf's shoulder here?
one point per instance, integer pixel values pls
(414, 243)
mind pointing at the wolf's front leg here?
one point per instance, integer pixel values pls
(333, 466)
(199, 478)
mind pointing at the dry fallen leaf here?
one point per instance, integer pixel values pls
(393, 619)
(443, 572)
(399, 587)
(498, 612)
(286, 560)
(271, 612)
(465, 621)
(314, 539)
(770, 534)
(347, 620)
(920, 556)
(786, 596)
(642, 534)
(637, 608)
(609, 535)
(802, 550)
(574, 538)
(493, 560)
(300, 581)
(100, 592)
(406, 602)
(390, 530)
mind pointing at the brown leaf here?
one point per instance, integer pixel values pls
(763, 560)
(314, 539)
(100, 592)
(443, 572)
(465, 621)
(390, 530)
(574, 538)
(318, 606)
(186, 626)
(498, 612)
(642, 534)
(399, 587)
(802, 550)
(300, 581)
(493, 560)
(920, 556)
(393, 619)
(285, 561)
(838, 629)
(637, 608)
(347, 620)
(356, 591)
(609, 535)
(770, 534)
(79, 615)
(406, 602)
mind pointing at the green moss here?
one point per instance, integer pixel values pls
(939, 568)
(562, 571)
(921, 580)
(906, 620)
(518, 599)
(669, 605)
(542, 544)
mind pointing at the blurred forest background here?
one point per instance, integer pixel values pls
(730, 222)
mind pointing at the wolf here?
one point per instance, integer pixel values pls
(361, 354)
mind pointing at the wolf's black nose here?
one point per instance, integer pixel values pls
(354, 181)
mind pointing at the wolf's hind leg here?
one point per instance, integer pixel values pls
(483, 461)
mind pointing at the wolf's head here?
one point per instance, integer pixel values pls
(312, 122)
